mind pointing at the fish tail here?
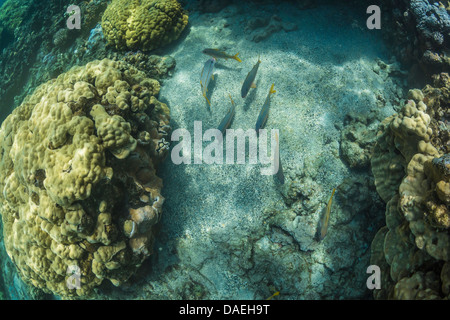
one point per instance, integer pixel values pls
(207, 99)
(231, 98)
(274, 295)
(235, 57)
(332, 193)
(280, 173)
(271, 89)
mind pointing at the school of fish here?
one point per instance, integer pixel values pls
(207, 75)
(249, 82)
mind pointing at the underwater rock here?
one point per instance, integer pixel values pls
(302, 193)
(420, 286)
(21, 67)
(359, 199)
(68, 168)
(34, 58)
(13, 14)
(260, 28)
(60, 38)
(156, 67)
(96, 38)
(91, 14)
(143, 25)
(290, 239)
(433, 21)
(18, 47)
(358, 138)
(418, 31)
(393, 69)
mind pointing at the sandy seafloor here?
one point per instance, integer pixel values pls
(214, 239)
(226, 231)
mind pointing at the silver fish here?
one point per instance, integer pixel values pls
(262, 118)
(226, 121)
(216, 53)
(206, 76)
(280, 173)
(249, 81)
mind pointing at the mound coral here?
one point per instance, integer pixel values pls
(80, 195)
(143, 25)
(412, 175)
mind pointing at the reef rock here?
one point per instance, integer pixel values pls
(433, 21)
(80, 196)
(260, 28)
(419, 32)
(358, 138)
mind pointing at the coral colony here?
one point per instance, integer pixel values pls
(100, 132)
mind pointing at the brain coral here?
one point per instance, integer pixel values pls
(412, 176)
(143, 24)
(80, 196)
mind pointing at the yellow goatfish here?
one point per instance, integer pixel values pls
(226, 121)
(274, 295)
(249, 81)
(263, 114)
(324, 220)
(206, 76)
(216, 53)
